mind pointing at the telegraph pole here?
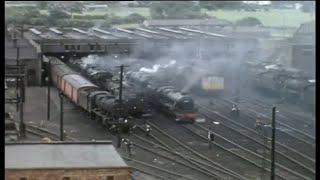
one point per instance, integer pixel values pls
(61, 116)
(120, 90)
(21, 125)
(18, 64)
(49, 83)
(17, 78)
(273, 142)
(20, 97)
(41, 62)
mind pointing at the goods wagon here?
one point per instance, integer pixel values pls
(73, 84)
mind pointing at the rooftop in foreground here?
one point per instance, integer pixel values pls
(36, 155)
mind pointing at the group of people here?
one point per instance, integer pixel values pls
(235, 111)
(116, 130)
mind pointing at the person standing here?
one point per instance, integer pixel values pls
(210, 139)
(258, 124)
(148, 129)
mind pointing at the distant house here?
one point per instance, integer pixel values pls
(94, 7)
(185, 22)
(64, 161)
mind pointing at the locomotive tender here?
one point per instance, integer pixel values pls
(177, 105)
(99, 104)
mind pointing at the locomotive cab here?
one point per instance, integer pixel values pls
(184, 110)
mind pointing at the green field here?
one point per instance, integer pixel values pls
(127, 26)
(118, 11)
(268, 18)
(291, 18)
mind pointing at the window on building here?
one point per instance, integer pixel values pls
(98, 48)
(72, 48)
(66, 178)
(78, 47)
(66, 47)
(306, 52)
(91, 47)
(110, 178)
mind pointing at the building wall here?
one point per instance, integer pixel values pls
(303, 57)
(73, 174)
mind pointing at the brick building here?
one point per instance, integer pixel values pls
(64, 161)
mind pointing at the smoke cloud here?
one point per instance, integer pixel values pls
(184, 64)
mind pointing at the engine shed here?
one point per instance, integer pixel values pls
(303, 47)
(140, 42)
(64, 160)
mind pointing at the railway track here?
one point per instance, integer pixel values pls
(197, 161)
(221, 155)
(285, 134)
(43, 132)
(169, 159)
(258, 143)
(300, 124)
(152, 170)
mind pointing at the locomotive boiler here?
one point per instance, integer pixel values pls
(106, 81)
(177, 105)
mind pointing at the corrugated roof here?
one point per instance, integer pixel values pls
(63, 70)
(62, 155)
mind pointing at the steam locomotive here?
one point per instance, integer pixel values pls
(287, 82)
(107, 82)
(177, 105)
(101, 105)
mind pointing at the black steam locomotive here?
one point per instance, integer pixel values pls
(177, 105)
(287, 82)
(107, 82)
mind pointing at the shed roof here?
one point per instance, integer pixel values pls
(35, 155)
